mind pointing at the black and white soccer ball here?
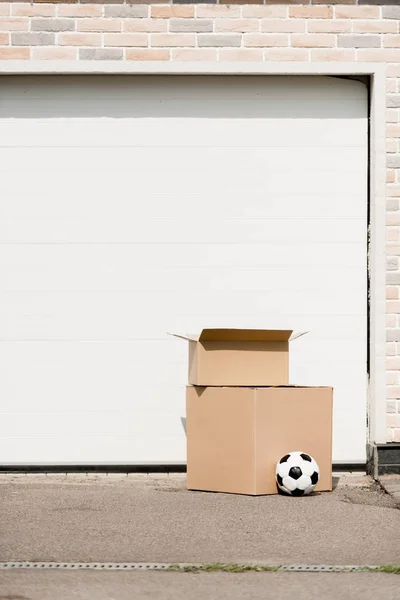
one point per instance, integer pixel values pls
(297, 474)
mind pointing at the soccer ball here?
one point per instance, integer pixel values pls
(297, 474)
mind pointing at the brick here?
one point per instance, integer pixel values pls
(393, 278)
(359, 41)
(14, 24)
(220, 40)
(332, 55)
(265, 12)
(290, 54)
(393, 71)
(391, 404)
(79, 39)
(391, 12)
(127, 11)
(379, 55)
(32, 39)
(100, 54)
(99, 1)
(191, 1)
(372, 26)
(357, 12)
(54, 25)
(393, 420)
(390, 349)
(4, 10)
(392, 218)
(222, 2)
(393, 101)
(391, 379)
(283, 25)
(392, 115)
(190, 25)
(393, 191)
(266, 40)
(239, 54)
(4, 39)
(334, 1)
(173, 39)
(393, 335)
(33, 10)
(392, 204)
(218, 12)
(113, 25)
(391, 85)
(54, 53)
(393, 160)
(311, 12)
(393, 130)
(391, 41)
(14, 53)
(80, 10)
(239, 25)
(138, 40)
(391, 147)
(393, 364)
(194, 55)
(334, 26)
(396, 435)
(393, 392)
(393, 235)
(172, 10)
(313, 40)
(145, 25)
(56, 2)
(392, 264)
(147, 54)
(393, 306)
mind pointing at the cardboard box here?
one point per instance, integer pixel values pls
(246, 357)
(235, 436)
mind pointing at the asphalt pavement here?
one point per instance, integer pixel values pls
(155, 519)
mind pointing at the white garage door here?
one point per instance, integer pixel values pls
(133, 206)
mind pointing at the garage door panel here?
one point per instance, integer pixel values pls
(148, 231)
(144, 133)
(39, 277)
(264, 188)
(127, 315)
(138, 159)
(149, 204)
(112, 423)
(101, 450)
(129, 258)
(41, 205)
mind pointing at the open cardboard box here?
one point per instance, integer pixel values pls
(236, 435)
(246, 357)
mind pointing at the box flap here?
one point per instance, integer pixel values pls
(297, 334)
(191, 337)
(241, 335)
(245, 335)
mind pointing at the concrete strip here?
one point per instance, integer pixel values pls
(391, 485)
(48, 585)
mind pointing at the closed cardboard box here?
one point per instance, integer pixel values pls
(239, 356)
(235, 436)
